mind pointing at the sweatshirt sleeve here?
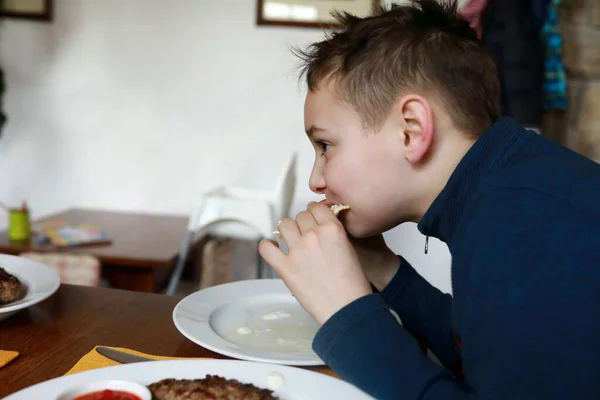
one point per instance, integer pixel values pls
(426, 312)
(365, 345)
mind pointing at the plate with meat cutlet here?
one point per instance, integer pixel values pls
(194, 380)
(252, 320)
(23, 283)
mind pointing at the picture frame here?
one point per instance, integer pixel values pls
(310, 13)
(38, 10)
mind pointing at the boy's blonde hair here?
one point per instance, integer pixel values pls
(425, 48)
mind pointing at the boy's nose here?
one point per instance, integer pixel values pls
(316, 182)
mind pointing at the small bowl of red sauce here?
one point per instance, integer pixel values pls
(107, 390)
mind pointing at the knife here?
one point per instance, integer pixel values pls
(121, 356)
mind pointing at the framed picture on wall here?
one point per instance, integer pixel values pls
(310, 13)
(40, 10)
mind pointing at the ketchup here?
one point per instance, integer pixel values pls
(108, 395)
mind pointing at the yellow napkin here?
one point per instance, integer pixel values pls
(6, 357)
(93, 360)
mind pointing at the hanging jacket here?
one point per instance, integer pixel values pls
(509, 31)
(472, 12)
(555, 78)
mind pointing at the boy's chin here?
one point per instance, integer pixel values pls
(360, 232)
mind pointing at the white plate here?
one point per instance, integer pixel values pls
(255, 320)
(298, 384)
(39, 282)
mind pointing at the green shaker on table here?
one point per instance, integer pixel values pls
(19, 227)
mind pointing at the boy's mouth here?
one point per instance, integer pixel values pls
(335, 208)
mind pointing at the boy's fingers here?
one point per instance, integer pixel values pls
(274, 242)
(289, 231)
(323, 214)
(306, 222)
(269, 250)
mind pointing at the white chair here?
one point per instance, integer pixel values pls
(239, 213)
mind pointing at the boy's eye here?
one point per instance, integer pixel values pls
(324, 146)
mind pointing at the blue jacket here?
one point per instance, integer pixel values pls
(521, 217)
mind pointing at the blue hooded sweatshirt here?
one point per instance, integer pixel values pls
(521, 217)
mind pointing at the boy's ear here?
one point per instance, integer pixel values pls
(418, 126)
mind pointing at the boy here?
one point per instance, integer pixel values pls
(403, 112)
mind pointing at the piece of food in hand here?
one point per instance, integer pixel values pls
(212, 387)
(10, 287)
(336, 209)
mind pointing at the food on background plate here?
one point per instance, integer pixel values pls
(211, 387)
(336, 209)
(10, 287)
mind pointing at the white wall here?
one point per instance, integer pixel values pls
(144, 104)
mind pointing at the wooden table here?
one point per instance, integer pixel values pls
(53, 335)
(142, 252)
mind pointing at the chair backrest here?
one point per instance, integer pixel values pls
(285, 188)
(246, 213)
(73, 268)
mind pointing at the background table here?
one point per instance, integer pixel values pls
(143, 248)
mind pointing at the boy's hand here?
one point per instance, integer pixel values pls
(378, 261)
(321, 268)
